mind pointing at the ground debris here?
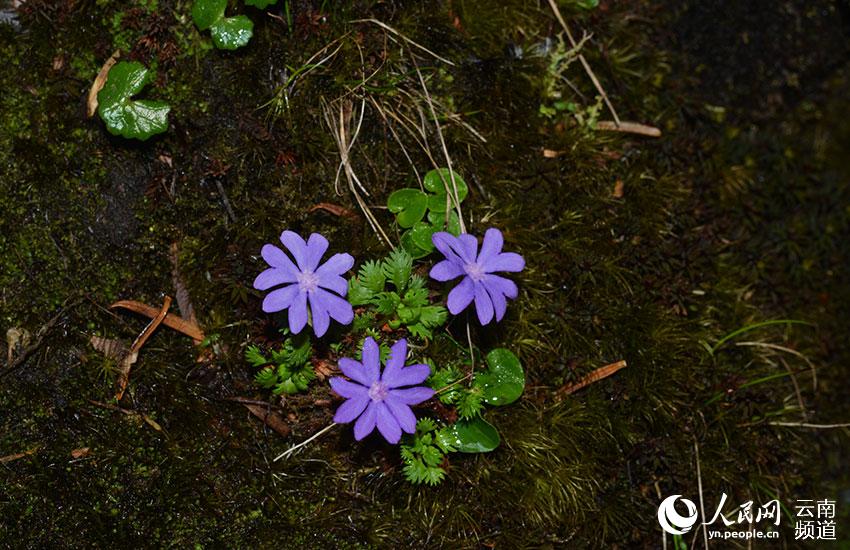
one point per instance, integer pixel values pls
(148, 420)
(16, 456)
(270, 418)
(99, 81)
(595, 376)
(170, 320)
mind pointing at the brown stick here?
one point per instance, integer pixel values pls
(595, 376)
(127, 363)
(629, 128)
(171, 320)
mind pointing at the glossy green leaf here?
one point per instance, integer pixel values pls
(421, 236)
(503, 381)
(411, 247)
(124, 116)
(230, 33)
(433, 182)
(471, 436)
(262, 3)
(408, 205)
(205, 13)
(438, 220)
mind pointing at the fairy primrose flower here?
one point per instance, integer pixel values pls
(305, 280)
(382, 400)
(479, 283)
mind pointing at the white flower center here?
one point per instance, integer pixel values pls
(474, 270)
(378, 391)
(308, 281)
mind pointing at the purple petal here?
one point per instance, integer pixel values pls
(319, 309)
(336, 265)
(496, 283)
(338, 308)
(356, 371)
(387, 424)
(351, 409)
(366, 423)
(500, 304)
(348, 389)
(371, 359)
(395, 362)
(334, 283)
(446, 270)
(296, 245)
(461, 296)
(491, 246)
(402, 413)
(276, 257)
(280, 299)
(317, 245)
(449, 245)
(297, 311)
(408, 376)
(483, 304)
(469, 246)
(412, 396)
(273, 276)
(506, 261)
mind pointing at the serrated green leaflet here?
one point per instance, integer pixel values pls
(502, 383)
(228, 33)
(124, 116)
(471, 436)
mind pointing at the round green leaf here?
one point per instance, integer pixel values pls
(408, 205)
(230, 33)
(472, 436)
(421, 235)
(504, 381)
(433, 182)
(123, 116)
(205, 13)
(438, 220)
(262, 4)
(411, 247)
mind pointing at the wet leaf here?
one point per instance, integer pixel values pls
(438, 220)
(502, 383)
(471, 436)
(421, 234)
(127, 117)
(230, 33)
(411, 247)
(408, 205)
(434, 182)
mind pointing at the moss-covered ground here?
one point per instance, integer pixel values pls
(643, 249)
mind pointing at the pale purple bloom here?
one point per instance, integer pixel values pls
(489, 291)
(305, 280)
(377, 399)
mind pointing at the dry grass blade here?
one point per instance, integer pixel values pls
(16, 456)
(99, 81)
(629, 128)
(336, 210)
(171, 321)
(403, 37)
(595, 376)
(148, 420)
(184, 302)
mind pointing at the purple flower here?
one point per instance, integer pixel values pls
(381, 400)
(463, 259)
(305, 281)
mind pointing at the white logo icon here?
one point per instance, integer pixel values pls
(671, 521)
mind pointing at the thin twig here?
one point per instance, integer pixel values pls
(584, 62)
(39, 338)
(288, 452)
(699, 487)
(808, 425)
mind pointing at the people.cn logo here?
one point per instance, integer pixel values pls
(673, 522)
